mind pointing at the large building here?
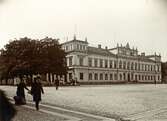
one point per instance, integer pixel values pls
(119, 64)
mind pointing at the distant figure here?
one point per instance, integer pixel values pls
(57, 83)
(155, 82)
(20, 98)
(36, 91)
(7, 111)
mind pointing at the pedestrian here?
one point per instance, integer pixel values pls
(57, 82)
(7, 110)
(20, 98)
(36, 91)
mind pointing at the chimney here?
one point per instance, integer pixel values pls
(99, 46)
(106, 48)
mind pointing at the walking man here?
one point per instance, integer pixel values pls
(36, 91)
(57, 82)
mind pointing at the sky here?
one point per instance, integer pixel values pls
(142, 23)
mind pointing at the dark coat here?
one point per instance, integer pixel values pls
(7, 110)
(20, 89)
(36, 91)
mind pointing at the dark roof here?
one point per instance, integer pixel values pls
(99, 51)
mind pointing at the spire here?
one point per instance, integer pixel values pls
(127, 45)
(75, 37)
(86, 39)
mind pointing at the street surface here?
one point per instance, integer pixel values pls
(139, 102)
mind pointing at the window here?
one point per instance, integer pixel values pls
(70, 61)
(81, 76)
(90, 62)
(120, 64)
(77, 47)
(115, 64)
(66, 48)
(95, 62)
(128, 65)
(90, 76)
(101, 76)
(132, 66)
(96, 76)
(106, 63)
(106, 76)
(115, 76)
(110, 63)
(135, 66)
(101, 63)
(120, 76)
(81, 61)
(124, 65)
(111, 76)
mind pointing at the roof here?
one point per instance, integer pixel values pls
(74, 40)
(99, 51)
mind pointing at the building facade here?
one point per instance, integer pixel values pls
(119, 64)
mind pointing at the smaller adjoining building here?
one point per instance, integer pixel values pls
(90, 64)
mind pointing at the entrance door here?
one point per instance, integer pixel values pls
(128, 77)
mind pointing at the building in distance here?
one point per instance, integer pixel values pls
(90, 64)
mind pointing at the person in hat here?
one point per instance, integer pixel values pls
(36, 91)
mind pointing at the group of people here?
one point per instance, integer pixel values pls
(36, 91)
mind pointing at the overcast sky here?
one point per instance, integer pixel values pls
(142, 23)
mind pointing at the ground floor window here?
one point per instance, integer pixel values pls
(106, 76)
(96, 76)
(115, 76)
(81, 76)
(120, 76)
(90, 76)
(111, 77)
(101, 76)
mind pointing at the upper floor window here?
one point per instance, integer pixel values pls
(110, 63)
(81, 61)
(115, 64)
(120, 64)
(90, 62)
(70, 61)
(95, 62)
(66, 48)
(106, 63)
(135, 66)
(132, 66)
(77, 46)
(101, 63)
(128, 65)
(124, 65)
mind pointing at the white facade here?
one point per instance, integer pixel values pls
(120, 64)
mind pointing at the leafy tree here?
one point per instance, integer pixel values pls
(27, 57)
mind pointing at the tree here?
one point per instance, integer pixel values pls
(27, 57)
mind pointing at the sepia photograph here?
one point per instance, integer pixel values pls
(83, 60)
